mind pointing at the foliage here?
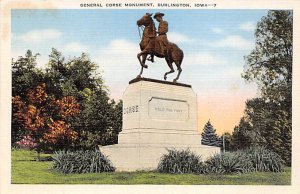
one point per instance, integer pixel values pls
(268, 119)
(270, 63)
(68, 81)
(180, 161)
(235, 162)
(25, 76)
(242, 136)
(265, 124)
(81, 162)
(93, 139)
(44, 119)
(73, 76)
(99, 123)
(252, 159)
(209, 136)
(100, 120)
(264, 160)
(116, 119)
(228, 140)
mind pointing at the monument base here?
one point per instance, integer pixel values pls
(135, 157)
(157, 115)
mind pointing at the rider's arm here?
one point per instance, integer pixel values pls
(163, 27)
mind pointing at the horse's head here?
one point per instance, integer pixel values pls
(145, 20)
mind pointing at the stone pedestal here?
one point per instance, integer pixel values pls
(156, 115)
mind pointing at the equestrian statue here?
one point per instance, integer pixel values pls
(155, 43)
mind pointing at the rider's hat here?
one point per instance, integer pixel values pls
(158, 14)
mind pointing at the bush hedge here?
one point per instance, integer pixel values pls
(89, 161)
(243, 161)
(264, 160)
(180, 162)
(236, 162)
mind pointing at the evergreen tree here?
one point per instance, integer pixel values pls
(209, 136)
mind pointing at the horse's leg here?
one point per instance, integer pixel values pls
(142, 62)
(179, 72)
(178, 64)
(171, 67)
(144, 57)
(140, 75)
(142, 68)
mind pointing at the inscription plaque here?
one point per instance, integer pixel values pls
(168, 109)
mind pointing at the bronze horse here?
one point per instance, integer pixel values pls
(149, 46)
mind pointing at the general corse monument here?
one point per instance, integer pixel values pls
(157, 114)
(156, 43)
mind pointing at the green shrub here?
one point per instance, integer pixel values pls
(180, 161)
(81, 162)
(265, 160)
(235, 162)
(244, 161)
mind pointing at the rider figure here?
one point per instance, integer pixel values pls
(162, 32)
(162, 39)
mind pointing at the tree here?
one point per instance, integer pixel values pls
(100, 118)
(209, 136)
(268, 119)
(227, 141)
(100, 121)
(270, 63)
(44, 119)
(242, 136)
(73, 76)
(78, 77)
(25, 75)
(116, 120)
(264, 124)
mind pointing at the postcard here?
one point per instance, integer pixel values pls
(149, 96)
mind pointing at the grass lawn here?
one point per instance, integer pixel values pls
(26, 170)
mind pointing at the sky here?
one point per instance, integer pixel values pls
(214, 43)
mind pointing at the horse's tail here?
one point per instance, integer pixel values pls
(176, 54)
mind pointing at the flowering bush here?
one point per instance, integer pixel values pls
(27, 143)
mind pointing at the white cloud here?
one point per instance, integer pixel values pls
(217, 30)
(119, 64)
(235, 42)
(203, 58)
(178, 37)
(75, 47)
(38, 36)
(122, 47)
(247, 26)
